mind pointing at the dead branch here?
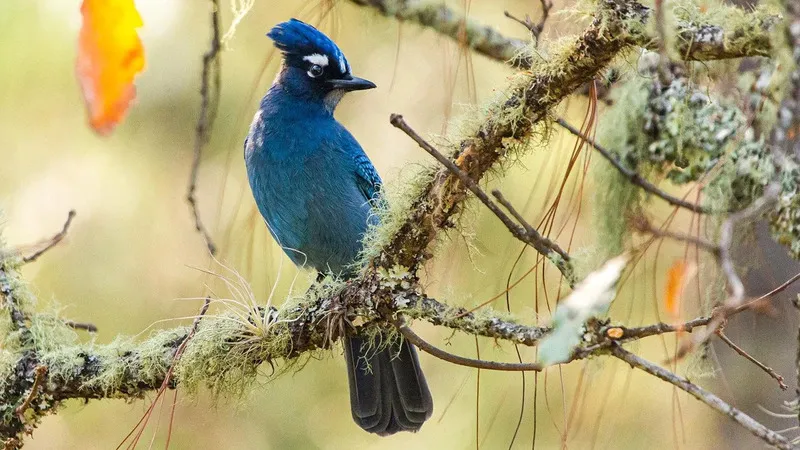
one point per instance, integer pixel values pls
(757, 429)
(742, 352)
(52, 242)
(521, 230)
(535, 28)
(208, 111)
(631, 175)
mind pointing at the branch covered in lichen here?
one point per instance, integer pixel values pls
(528, 101)
(223, 355)
(721, 33)
(453, 24)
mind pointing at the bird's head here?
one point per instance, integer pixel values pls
(314, 66)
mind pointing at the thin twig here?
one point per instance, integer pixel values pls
(662, 40)
(735, 302)
(90, 327)
(522, 231)
(531, 236)
(208, 112)
(711, 400)
(460, 360)
(641, 224)
(40, 372)
(535, 28)
(735, 284)
(771, 372)
(195, 325)
(628, 334)
(769, 294)
(53, 241)
(142, 424)
(631, 175)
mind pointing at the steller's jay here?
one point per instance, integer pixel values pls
(315, 186)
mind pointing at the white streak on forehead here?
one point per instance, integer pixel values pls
(342, 63)
(316, 58)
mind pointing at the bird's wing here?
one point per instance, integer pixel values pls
(367, 178)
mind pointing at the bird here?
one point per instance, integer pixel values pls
(316, 190)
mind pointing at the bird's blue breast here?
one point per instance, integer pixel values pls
(305, 173)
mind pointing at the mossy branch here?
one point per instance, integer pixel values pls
(224, 354)
(729, 32)
(529, 101)
(453, 24)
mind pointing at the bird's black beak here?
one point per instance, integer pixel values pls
(351, 84)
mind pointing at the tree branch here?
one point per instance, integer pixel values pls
(522, 231)
(742, 352)
(535, 28)
(224, 351)
(52, 242)
(529, 101)
(631, 175)
(208, 111)
(757, 429)
(697, 41)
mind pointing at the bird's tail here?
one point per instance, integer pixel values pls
(388, 392)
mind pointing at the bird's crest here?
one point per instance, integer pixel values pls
(301, 42)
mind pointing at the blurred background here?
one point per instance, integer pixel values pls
(132, 256)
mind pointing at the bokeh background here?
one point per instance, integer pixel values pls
(131, 259)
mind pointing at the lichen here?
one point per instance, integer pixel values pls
(743, 177)
(736, 31)
(674, 129)
(227, 350)
(689, 131)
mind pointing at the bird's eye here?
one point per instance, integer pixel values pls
(314, 71)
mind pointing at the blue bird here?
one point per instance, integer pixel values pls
(315, 188)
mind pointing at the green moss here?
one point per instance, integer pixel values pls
(400, 197)
(620, 130)
(225, 353)
(49, 332)
(8, 361)
(743, 31)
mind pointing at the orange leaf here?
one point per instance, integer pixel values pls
(677, 277)
(110, 55)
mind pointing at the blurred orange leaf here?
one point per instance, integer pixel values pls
(110, 55)
(679, 274)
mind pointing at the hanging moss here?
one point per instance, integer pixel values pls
(620, 130)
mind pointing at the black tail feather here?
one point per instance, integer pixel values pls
(388, 391)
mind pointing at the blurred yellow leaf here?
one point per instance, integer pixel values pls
(679, 274)
(110, 55)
